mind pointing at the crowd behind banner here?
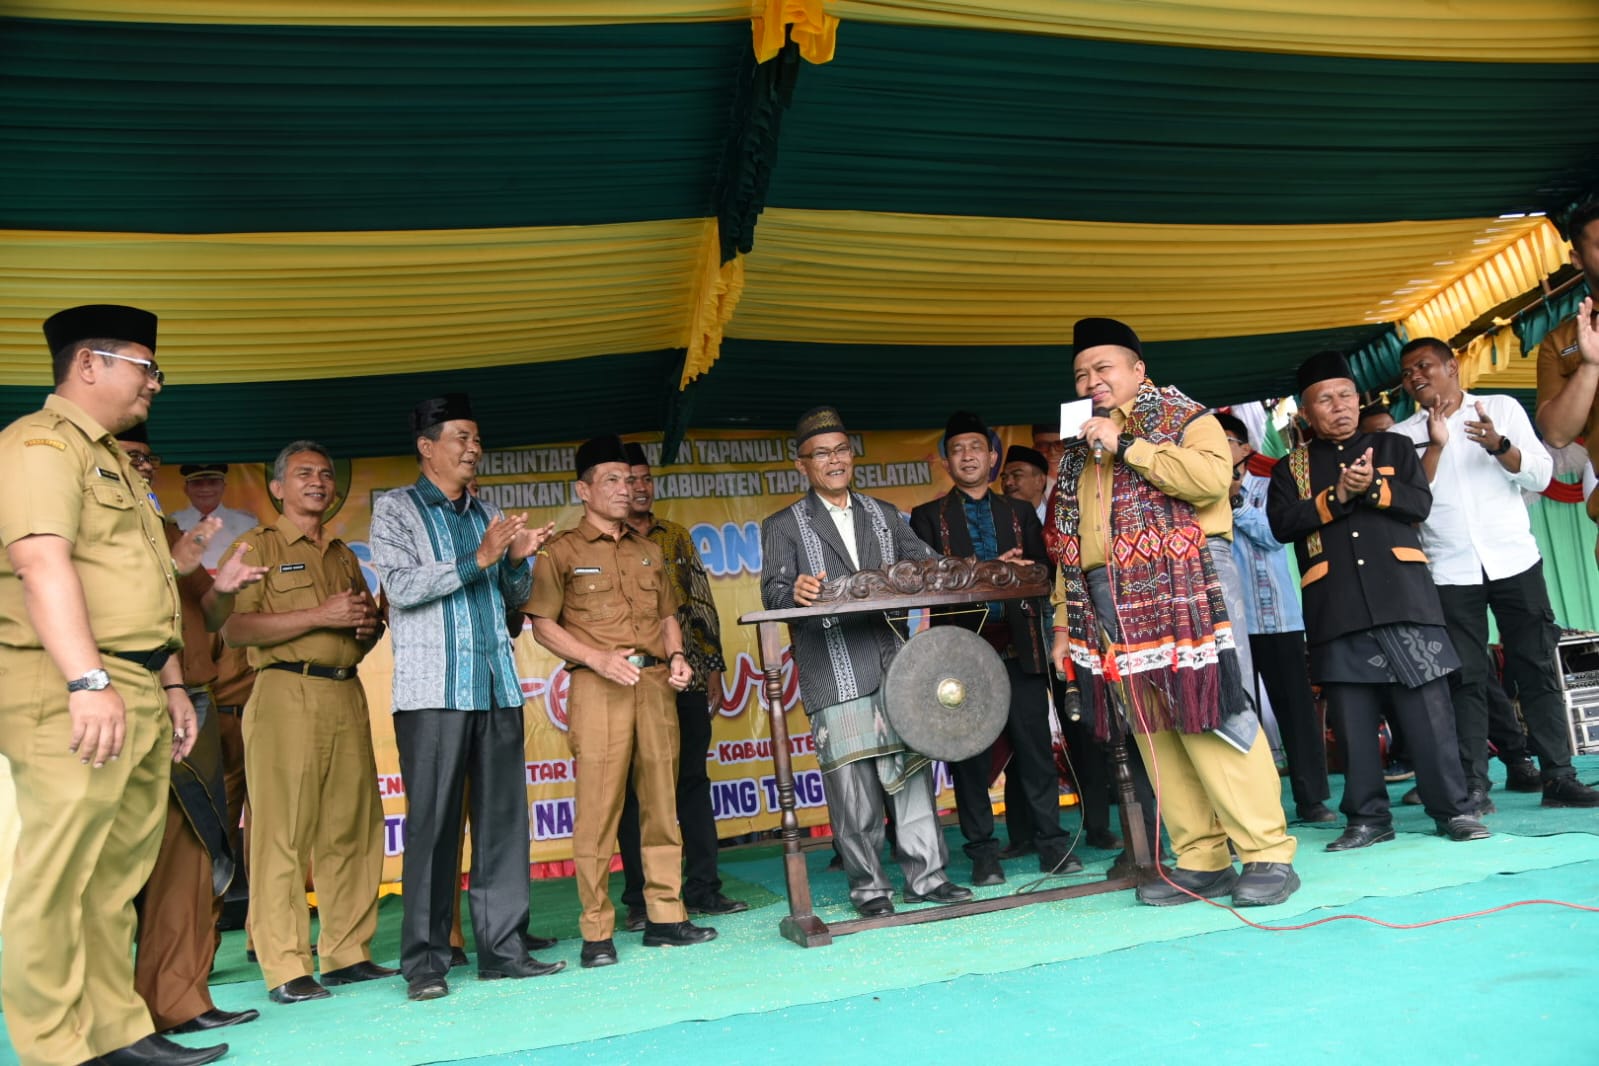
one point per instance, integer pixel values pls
(720, 486)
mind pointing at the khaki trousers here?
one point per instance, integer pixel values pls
(1207, 793)
(177, 927)
(314, 803)
(88, 842)
(610, 728)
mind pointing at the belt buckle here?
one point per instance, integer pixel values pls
(636, 660)
(341, 673)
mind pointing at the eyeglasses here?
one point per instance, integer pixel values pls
(822, 455)
(149, 459)
(151, 370)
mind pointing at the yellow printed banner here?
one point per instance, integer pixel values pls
(721, 487)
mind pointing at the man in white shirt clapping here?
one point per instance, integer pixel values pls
(1479, 453)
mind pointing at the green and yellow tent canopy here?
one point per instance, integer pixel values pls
(653, 214)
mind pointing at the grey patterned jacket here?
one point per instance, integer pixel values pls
(868, 642)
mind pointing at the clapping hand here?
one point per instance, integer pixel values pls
(235, 574)
(1356, 478)
(1483, 432)
(189, 549)
(497, 538)
(529, 541)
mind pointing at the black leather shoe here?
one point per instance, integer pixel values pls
(1017, 848)
(948, 892)
(428, 986)
(1315, 813)
(1055, 864)
(676, 934)
(361, 971)
(1478, 805)
(717, 904)
(215, 1019)
(1265, 883)
(878, 907)
(458, 957)
(986, 871)
(1207, 883)
(1569, 792)
(156, 1050)
(597, 953)
(1462, 827)
(524, 967)
(637, 918)
(1362, 835)
(537, 943)
(1103, 839)
(298, 991)
(1521, 775)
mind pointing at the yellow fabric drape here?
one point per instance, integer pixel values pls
(1494, 362)
(717, 288)
(1476, 31)
(814, 31)
(266, 306)
(385, 12)
(861, 277)
(1511, 271)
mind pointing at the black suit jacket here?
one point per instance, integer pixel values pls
(870, 642)
(1370, 569)
(942, 523)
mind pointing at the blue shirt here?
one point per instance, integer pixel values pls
(446, 613)
(985, 542)
(1271, 599)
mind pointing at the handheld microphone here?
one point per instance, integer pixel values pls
(1099, 446)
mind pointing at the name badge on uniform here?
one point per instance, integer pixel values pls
(109, 475)
(289, 568)
(586, 570)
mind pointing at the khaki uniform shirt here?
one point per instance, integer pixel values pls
(67, 477)
(300, 575)
(609, 594)
(1558, 359)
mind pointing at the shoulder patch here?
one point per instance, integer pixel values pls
(45, 442)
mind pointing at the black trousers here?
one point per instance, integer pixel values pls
(1428, 720)
(439, 751)
(1527, 631)
(1505, 729)
(1032, 762)
(1090, 771)
(1283, 669)
(701, 883)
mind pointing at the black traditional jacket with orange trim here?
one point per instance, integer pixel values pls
(1360, 562)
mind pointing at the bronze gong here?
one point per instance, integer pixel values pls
(947, 693)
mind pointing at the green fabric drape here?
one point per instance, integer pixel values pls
(1534, 323)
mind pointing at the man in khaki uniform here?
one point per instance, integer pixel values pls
(92, 708)
(603, 602)
(1568, 356)
(308, 742)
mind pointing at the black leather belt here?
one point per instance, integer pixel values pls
(152, 661)
(231, 708)
(330, 673)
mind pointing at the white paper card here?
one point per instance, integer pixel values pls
(1072, 417)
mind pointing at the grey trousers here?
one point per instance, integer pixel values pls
(855, 808)
(1232, 590)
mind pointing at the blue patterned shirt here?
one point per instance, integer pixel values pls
(446, 614)
(985, 541)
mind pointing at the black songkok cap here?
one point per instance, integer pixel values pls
(601, 450)
(816, 421)
(1092, 332)
(112, 322)
(451, 407)
(635, 454)
(136, 434)
(192, 471)
(964, 422)
(1323, 366)
(1378, 408)
(1021, 453)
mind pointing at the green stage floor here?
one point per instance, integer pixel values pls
(1098, 979)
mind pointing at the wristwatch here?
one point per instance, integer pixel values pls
(1504, 446)
(93, 681)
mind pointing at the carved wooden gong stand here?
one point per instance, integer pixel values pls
(897, 590)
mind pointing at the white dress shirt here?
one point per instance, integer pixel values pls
(1479, 523)
(844, 519)
(235, 524)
